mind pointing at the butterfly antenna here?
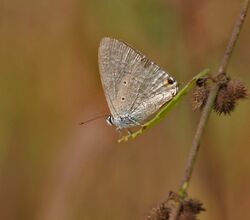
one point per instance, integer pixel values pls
(92, 119)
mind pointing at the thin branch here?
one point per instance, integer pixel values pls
(234, 38)
(207, 109)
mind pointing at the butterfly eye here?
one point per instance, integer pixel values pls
(123, 98)
(109, 120)
(124, 82)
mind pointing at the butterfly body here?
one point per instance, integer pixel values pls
(135, 87)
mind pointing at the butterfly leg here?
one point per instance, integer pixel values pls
(120, 132)
(136, 122)
(129, 131)
(121, 137)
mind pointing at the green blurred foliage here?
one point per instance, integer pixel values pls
(51, 168)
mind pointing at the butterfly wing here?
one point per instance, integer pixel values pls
(116, 63)
(134, 86)
(157, 89)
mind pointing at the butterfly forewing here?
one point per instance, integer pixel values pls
(117, 62)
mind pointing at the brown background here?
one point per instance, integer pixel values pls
(53, 169)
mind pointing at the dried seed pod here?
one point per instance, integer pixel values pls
(228, 96)
(189, 209)
(200, 94)
(237, 89)
(161, 212)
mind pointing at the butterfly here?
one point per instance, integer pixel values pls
(135, 87)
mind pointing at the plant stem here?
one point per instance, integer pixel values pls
(207, 110)
(234, 37)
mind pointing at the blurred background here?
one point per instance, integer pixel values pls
(53, 169)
